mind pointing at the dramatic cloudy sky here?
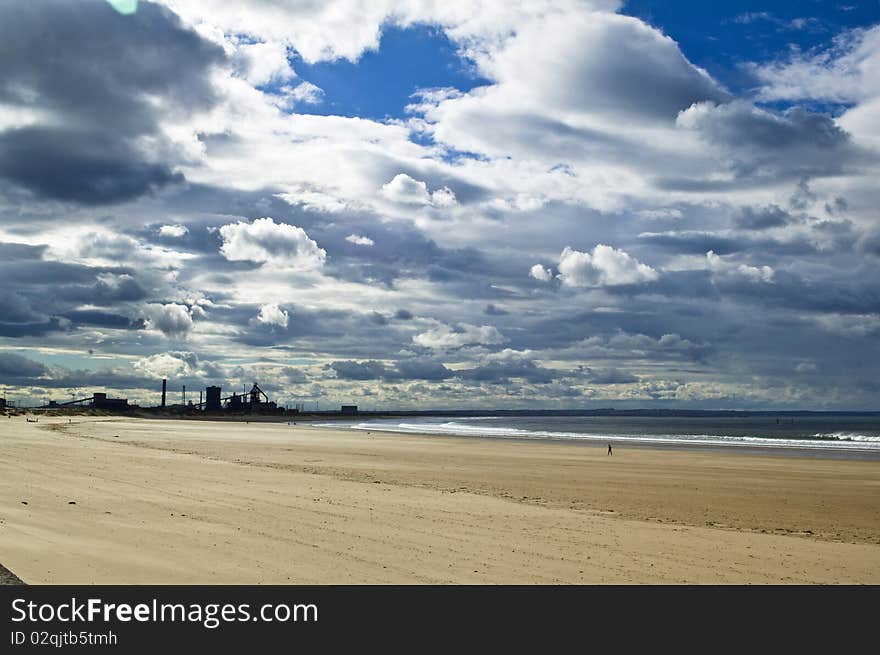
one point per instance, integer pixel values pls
(421, 204)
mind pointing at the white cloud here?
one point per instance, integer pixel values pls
(806, 367)
(752, 273)
(305, 92)
(846, 72)
(522, 202)
(540, 273)
(406, 190)
(443, 197)
(562, 82)
(263, 63)
(661, 213)
(175, 231)
(172, 320)
(858, 325)
(102, 246)
(344, 29)
(756, 274)
(464, 334)
(272, 314)
(604, 266)
(314, 200)
(359, 240)
(279, 244)
(308, 93)
(166, 365)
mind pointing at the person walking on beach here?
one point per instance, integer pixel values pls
(610, 452)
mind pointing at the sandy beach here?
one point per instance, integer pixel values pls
(128, 501)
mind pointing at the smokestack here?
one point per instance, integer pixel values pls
(164, 385)
(184, 394)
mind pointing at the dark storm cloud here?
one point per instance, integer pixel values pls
(609, 376)
(682, 284)
(377, 318)
(95, 65)
(416, 368)
(124, 289)
(763, 147)
(399, 251)
(100, 74)
(499, 372)
(668, 329)
(856, 295)
(795, 128)
(698, 242)
(694, 242)
(293, 375)
(426, 368)
(15, 368)
(47, 295)
(422, 368)
(348, 370)
(340, 332)
(17, 251)
(84, 166)
(763, 218)
(100, 379)
(35, 273)
(870, 244)
(112, 289)
(31, 329)
(844, 227)
(16, 308)
(841, 291)
(103, 319)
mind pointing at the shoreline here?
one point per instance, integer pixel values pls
(627, 441)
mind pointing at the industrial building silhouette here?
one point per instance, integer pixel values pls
(254, 401)
(212, 401)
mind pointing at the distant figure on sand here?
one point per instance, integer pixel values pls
(610, 452)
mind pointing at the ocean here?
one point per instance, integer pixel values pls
(851, 436)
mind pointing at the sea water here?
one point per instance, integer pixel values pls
(841, 435)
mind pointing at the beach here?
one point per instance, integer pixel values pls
(141, 501)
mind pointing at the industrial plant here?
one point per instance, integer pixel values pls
(210, 401)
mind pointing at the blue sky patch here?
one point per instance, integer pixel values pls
(380, 84)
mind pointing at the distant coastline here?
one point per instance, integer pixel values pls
(144, 412)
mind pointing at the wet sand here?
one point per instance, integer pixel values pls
(177, 502)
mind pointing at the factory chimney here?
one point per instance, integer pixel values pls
(164, 384)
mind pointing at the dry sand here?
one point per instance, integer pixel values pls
(182, 502)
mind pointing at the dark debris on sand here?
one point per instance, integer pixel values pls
(7, 577)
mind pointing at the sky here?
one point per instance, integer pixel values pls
(420, 205)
